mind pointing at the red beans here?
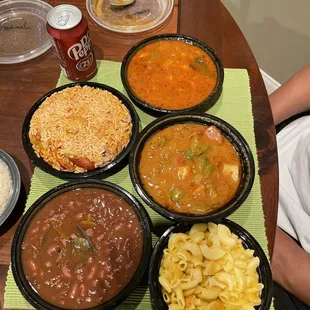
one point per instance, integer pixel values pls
(118, 226)
(35, 230)
(79, 216)
(102, 274)
(80, 277)
(46, 227)
(52, 248)
(92, 273)
(100, 237)
(65, 269)
(33, 267)
(66, 272)
(73, 236)
(88, 299)
(90, 232)
(83, 290)
(73, 290)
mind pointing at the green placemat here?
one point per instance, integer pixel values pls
(234, 106)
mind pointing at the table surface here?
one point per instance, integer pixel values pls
(208, 20)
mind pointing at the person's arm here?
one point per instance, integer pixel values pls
(291, 266)
(292, 97)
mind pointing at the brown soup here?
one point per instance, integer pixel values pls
(190, 168)
(172, 75)
(82, 248)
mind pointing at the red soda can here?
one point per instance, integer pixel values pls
(70, 37)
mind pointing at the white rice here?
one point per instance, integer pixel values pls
(6, 185)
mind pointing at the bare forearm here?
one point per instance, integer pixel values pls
(291, 267)
(291, 98)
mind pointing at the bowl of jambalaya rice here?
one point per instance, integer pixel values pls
(80, 130)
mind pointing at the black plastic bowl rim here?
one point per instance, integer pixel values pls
(28, 292)
(229, 132)
(207, 102)
(248, 241)
(67, 175)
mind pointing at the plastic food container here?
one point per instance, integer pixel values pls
(23, 34)
(140, 16)
(16, 183)
(203, 105)
(248, 242)
(229, 132)
(27, 290)
(116, 162)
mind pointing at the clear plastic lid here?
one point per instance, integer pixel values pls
(140, 16)
(23, 34)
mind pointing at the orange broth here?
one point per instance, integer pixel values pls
(172, 75)
(190, 168)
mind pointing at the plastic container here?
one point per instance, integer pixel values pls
(39, 162)
(248, 241)
(23, 34)
(234, 137)
(208, 102)
(142, 15)
(29, 293)
(8, 160)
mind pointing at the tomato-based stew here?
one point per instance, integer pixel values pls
(190, 168)
(82, 248)
(172, 75)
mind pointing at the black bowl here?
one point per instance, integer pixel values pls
(205, 104)
(248, 241)
(39, 162)
(29, 293)
(229, 132)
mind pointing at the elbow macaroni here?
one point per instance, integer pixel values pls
(208, 268)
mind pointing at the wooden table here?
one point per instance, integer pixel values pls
(208, 20)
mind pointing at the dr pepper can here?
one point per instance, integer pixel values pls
(70, 37)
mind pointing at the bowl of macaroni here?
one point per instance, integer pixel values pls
(209, 266)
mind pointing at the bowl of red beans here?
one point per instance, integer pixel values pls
(82, 245)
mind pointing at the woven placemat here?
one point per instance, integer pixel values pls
(234, 106)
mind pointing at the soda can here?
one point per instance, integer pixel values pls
(70, 37)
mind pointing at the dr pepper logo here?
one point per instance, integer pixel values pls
(84, 64)
(81, 49)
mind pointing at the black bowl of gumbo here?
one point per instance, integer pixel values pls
(80, 247)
